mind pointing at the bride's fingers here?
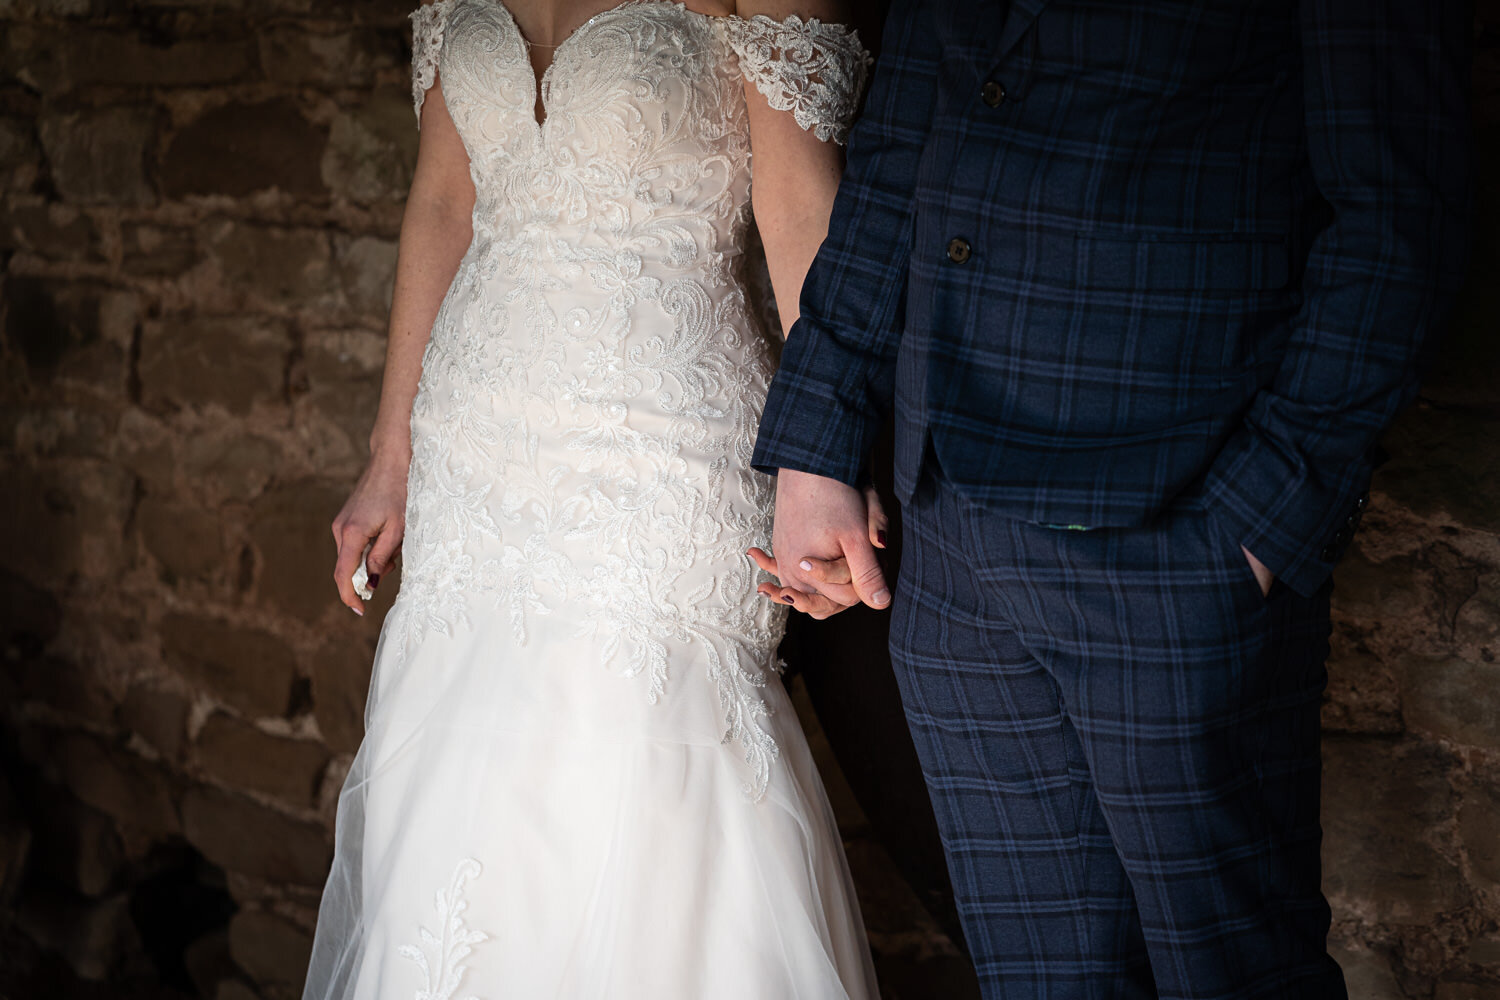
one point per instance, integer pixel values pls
(830, 571)
(763, 559)
(813, 605)
(879, 523)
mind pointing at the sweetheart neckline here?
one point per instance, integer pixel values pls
(539, 82)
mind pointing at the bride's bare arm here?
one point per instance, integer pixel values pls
(435, 233)
(796, 173)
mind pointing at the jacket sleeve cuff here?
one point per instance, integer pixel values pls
(806, 426)
(1295, 520)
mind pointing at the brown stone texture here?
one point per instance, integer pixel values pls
(200, 203)
(239, 149)
(248, 668)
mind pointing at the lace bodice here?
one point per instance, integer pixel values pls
(642, 107)
(582, 434)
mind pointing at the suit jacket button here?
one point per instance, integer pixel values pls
(1329, 554)
(992, 93)
(959, 250)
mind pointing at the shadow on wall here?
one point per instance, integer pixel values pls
(198, 213)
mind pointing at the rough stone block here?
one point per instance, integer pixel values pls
(95, 937)
(104, 775)
(239, 149)
(72, 331)
(122, 58)
(68, 688)
(1479, 829)
(184, 539)
(1363, 695)
(341, 386)
(1367, 973)
(20, 156)
(290, 529)
(239, 754)
(269, 947)
(282, 849)
(76, 844)
(1477, 624)
(83, 428)
(15, 845)
(58, 232)
(340, 684)
(293, 54)
(372, 150)
(1383, 804)
(102, 156)
(158, 715)
(1454, 699)
(29, 618)
(249, 669)
(232, 466)
(157, 251)
(229, 361)
(65, 518)
(282, 268)
(1445, 464)
(235, 989)
(208, 961)
(367, 268)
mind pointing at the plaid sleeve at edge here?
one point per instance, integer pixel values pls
(1387, 122)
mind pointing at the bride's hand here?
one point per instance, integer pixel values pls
(834, 572)
(375, 510)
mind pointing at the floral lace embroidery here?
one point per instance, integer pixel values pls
(815, 70)
(441, 954)
(582, 433)
(427, 24)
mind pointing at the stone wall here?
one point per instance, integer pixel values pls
(198, 210)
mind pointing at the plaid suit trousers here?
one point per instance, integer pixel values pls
(1120, 738)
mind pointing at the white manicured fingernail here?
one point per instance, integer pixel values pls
(882, 597)
(805, 566)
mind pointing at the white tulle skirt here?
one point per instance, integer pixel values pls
(521, 823)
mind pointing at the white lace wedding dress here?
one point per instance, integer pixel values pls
(581, 776)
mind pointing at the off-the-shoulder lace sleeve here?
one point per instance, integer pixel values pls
(815, 70)
(427, 23)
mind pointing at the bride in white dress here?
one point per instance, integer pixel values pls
(581, 776)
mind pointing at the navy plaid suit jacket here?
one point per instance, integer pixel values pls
(1098, 255)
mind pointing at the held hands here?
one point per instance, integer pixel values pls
(828, 532)
(375, 511)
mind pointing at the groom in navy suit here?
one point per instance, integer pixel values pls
(1141, 284)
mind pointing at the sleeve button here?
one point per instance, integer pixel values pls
(992, 93)
(959, 250)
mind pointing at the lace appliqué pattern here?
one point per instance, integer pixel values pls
(442, 952)
(817, 71)
(582, 433)
(427, 24)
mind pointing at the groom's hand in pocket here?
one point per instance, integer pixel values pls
(824, 537)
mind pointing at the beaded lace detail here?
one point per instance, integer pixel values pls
(815, 70)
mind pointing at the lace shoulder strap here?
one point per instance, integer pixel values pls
(427, 24)
(813, 69)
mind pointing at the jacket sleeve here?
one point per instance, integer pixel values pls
(838, 369)
(1386, 85)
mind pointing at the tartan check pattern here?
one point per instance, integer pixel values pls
(1120, 738)
(1207, 242)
